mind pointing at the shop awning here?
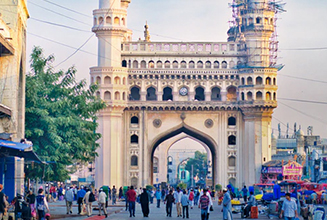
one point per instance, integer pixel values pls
(15, 149)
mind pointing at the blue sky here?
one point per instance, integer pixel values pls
(302, 26)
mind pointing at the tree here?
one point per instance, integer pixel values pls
(60, 118)
(199, 163)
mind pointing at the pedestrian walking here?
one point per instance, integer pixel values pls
(158, 197)
(144, 199)
(196, 196)
(204, 203)
(245, 194)
(131, 195)
(227, 205)
(80, 195)
(163, 194)
(126, 199)
(169, 200)
(114, 195)
(289, 208)
(102, 202)
(69, 197)
(30, 199)
(178, 200)
(185, 203)
(89, 198)
(41, 205)
(120, 193)
(191, 198)
(53, 193)
(3, 202)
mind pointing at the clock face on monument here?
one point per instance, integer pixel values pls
(183, 91)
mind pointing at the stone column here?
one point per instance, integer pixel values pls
(223, 94)
(207, 96)
(159, 96)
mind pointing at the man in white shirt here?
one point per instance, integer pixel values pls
(69, 196)
(178, 198)
(102, 202)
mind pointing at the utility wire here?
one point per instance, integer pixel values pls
(69, 9)
(309, 48)
(59, 25)
(306, 101)
(296, 77)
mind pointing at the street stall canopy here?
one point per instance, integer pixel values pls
(15, 149)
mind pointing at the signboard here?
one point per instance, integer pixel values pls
(292, 169)
(272, 170)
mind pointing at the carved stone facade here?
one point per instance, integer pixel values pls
(216, 92)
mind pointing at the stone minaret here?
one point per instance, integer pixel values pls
(110, 28)
(254, 20)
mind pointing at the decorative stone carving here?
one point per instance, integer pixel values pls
(183, 116)
(208, 123)
(157, 123)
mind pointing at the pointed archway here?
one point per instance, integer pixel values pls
(192, 132)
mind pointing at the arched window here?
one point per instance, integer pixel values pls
(159, 64)
(175, 64)
(135, 94)
(199, 94)
(151, 64)
(124, 63)
(167, 64)
(92, 80)
(268, 81)
(95, 21)
(134, 120)
(231, 64)
(208, 65)
(232, 140)
(268, 96)
(98, 80)
(258, 20)
(151, 94)
(224, 64)
(232, 161)
(191, 64)
(249, 96)
(258, 96)
(215, 94)
(107, 80)
(117, 96)
(135, 64)
(266, 21)
(275, 96)
(170, 160)
(108, 20)
(183, 64)
(232, 121)
(117, 80)
(155, 165)
(100, 20)
(124, 96)
(134, 160)
(143, 64)
(274, 81)
(271, 21)
(116, 20)
(98, 95)
(216, 65)
(124, 81)
(250, 20)
(134, 139)
(170, 170)
(167, 94)
(200, 65)
(107, 95)
(123, 21)
(242, 96)
(258, 81)
(249, 81)
(231, 94)
(242, 81)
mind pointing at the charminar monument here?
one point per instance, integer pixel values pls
(221, 94)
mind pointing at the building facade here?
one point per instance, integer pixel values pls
(220, 93)
(13, 18)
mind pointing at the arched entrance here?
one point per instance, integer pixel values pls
(195, 134)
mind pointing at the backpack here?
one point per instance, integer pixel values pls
(197, 193)
(40, 202)
(91, 197)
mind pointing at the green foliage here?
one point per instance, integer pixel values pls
(218, 187)
(199, 164)
(182, 185)
(60, 118)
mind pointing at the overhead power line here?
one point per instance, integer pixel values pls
(309, 48)
(68, 9)
(307, 79)
(305, 101)
(59, 25)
